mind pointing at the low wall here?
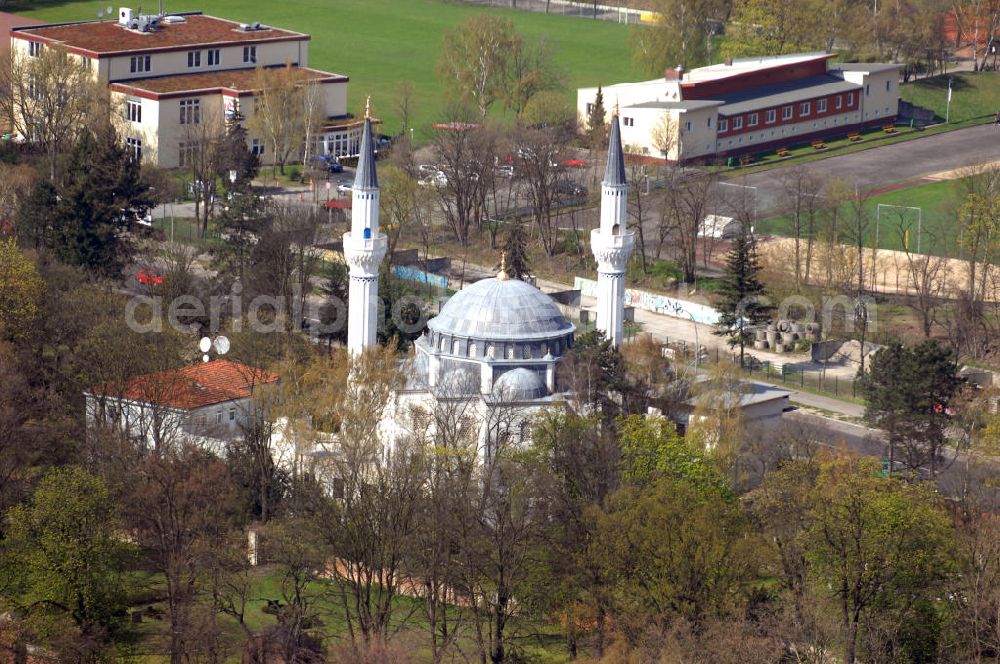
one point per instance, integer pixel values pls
(660, 304)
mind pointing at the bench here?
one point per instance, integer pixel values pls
(818, 145)
(782, 152)
(889, 129)
(854, 138)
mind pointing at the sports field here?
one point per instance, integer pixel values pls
(379, 43)
(931, 230)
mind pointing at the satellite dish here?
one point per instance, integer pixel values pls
(205, 344)
(100, 13)
(222, 345)
(109, 10)
(204, 358)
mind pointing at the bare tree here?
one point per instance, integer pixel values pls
(198, 151)
(926, 275)
(285, 112)
(474, 60)
(801, 189)
(685, 205)
(537, 163)
(49, 98)
(466, 155)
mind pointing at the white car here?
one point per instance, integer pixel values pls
(436, 179)
(345, 187)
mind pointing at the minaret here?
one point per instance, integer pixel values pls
(364, 247)
(611, 242)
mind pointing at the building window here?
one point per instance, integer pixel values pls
(850, 99)
(628, 122)
(190, 111)
(257, 147)
(723, 125)
(839, 102)
(771, 116)
(804, 108)
(134, 147)
(250, 54)
(868, 89)
(821, 106)
(888, 86)
(738, 123)
(133, 110)
(194, 58)
(709, 122)
(687, 126)
(32, 87)
(786, 113)
(232, 414)
(214, 57)
(34, 48)
(139, 64)
(85, 62)
(752, 120)
(218, 417)
(187, 153)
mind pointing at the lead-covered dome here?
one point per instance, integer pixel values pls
(501, 310)
(519, 385)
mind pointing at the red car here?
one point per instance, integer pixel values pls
(149, 278)
(574, 163)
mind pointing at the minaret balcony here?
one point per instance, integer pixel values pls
(612, 249)
(365, 253)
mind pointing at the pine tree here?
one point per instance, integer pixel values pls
(596, 125)
(516, 253)
(100, 193)
(234, 156)
(34, 218)
(742, 304)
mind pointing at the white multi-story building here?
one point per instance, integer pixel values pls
(748, 106)
(169, 74)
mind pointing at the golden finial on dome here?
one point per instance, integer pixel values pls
(502, 274)
(368, 108)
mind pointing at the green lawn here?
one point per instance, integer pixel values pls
(974, 95)
(937, 202)
(379, 43)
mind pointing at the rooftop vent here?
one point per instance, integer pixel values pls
(125, 16)
(174, 19)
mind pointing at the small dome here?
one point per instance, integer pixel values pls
(519, 385)
(501, 310)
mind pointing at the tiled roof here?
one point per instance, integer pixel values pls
(107, 37)
(232, 80)
(193, 386)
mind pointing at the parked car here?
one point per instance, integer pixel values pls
(437, 179)
(427, 169)
(345, 187)
(327, 163)
(148, 278)
(505, 171)
(569, 188)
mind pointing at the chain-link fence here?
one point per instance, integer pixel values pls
(598, 11)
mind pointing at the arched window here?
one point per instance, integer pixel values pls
(443, 345)
(472, 349)
(490, 351)
(510, 351)
(455, 344)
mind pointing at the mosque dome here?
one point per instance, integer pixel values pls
(519, 385)
(501, 310)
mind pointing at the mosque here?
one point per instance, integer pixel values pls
(498, 341)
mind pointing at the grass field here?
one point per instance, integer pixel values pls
(974, 94)
(379, 43)
(937, 202)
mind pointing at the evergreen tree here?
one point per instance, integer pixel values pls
(34, 219)
(596, 125)
(742, 305)
(909, 391)
(234, 156)
(100, 194)
(516, 253)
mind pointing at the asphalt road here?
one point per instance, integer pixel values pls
(887, 164)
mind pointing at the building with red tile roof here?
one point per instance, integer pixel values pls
(171, 75)
(210, 401)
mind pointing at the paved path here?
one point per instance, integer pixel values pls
(886, 164)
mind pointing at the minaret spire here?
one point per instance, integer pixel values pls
(611, 243)
(364, 246)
